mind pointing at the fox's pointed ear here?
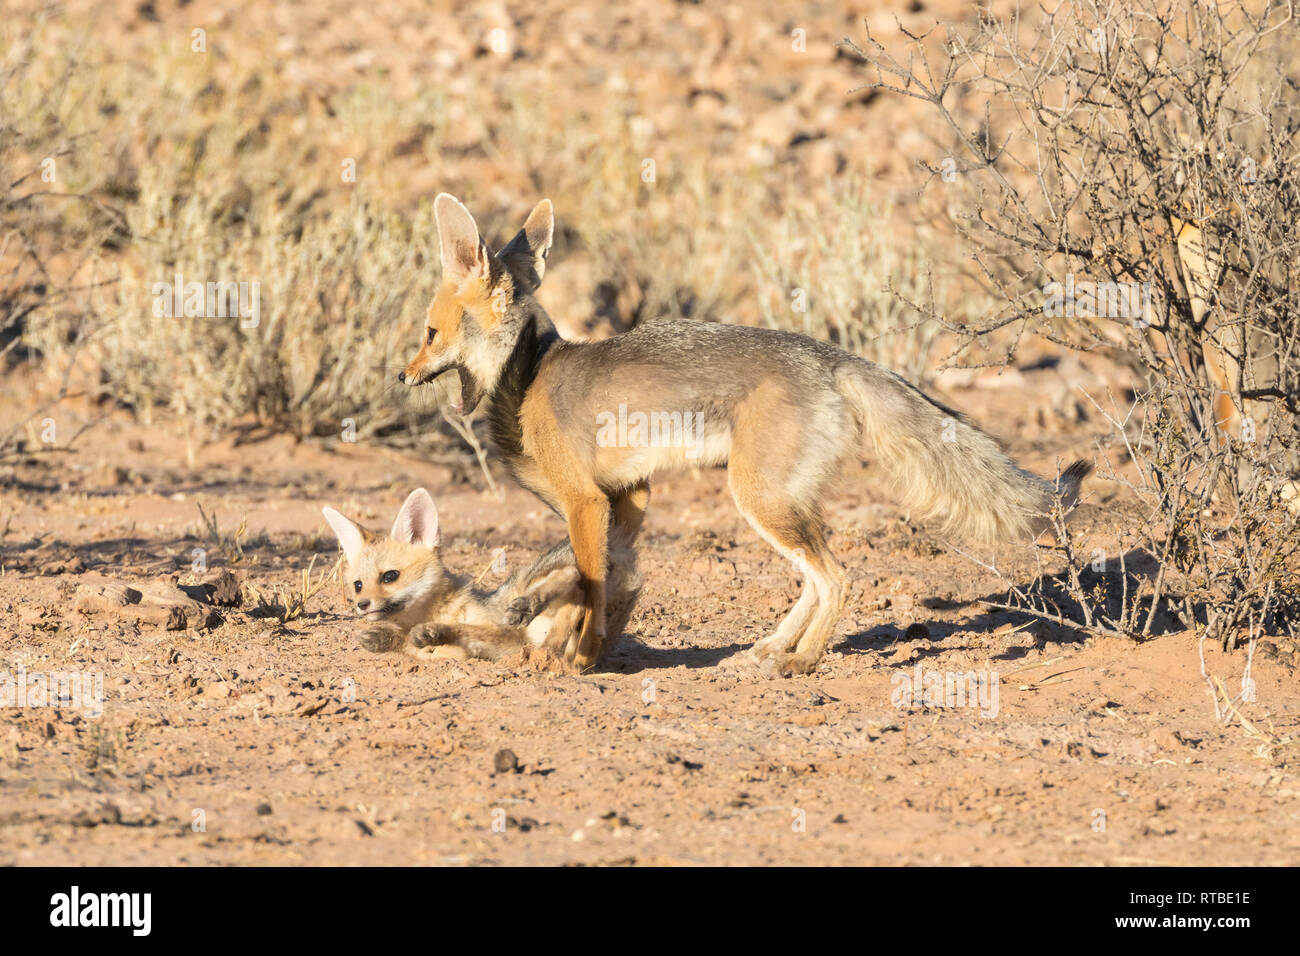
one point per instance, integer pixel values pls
(417, 522)
(350, 534)
(464, 254)
(525, 254)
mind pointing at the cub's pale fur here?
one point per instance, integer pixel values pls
(399, 584)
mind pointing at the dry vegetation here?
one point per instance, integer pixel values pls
(1148, 147)
(224, 157)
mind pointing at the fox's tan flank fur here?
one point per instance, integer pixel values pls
(415, 604)
(784, 412)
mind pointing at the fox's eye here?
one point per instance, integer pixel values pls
(388, 577)
(356, 586)
(428, 339)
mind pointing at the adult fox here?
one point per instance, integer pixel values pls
(783, 411)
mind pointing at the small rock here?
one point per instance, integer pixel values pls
(505, 761)
(225, 590)
(122, 594)
(263, 810)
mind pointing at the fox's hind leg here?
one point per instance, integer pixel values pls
(799, 536)
(628, 513)
(827, 575)
(779, 471)
(792, 626)
(800, 639)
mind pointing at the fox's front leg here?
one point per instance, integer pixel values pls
(432, 634)
(474, 640)
(588, 520)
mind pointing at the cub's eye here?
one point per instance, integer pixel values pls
(356, 586)
(428, 339)
(388, 577)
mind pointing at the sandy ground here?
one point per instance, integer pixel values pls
(243, 740)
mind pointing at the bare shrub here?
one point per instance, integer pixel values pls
(1130, 182)
(53, 225)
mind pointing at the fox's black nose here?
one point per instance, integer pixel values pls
(362, 605)
(401, 377)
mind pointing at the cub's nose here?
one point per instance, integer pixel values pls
(401, 377)
(363, 605)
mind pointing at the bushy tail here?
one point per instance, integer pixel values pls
(941, 467)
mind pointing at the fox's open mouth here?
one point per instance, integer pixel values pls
(394, 605)
(470, 392)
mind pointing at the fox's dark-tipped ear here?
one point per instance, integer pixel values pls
(417, 522)
(525, 254)
(350, 534)
(464, 254)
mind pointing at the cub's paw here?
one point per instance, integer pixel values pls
(381, 638)
(431, 635)
(521, 611)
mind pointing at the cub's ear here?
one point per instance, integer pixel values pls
(464, 254)
(417, 522)
(352, 537)
(525, 254)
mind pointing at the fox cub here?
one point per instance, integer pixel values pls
(399, 583)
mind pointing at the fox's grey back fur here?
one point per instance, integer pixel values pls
(934, 461)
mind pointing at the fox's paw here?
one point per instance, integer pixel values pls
(789, 665)
(521, 611)
(588, 653)
(430, 635)
(381, 638)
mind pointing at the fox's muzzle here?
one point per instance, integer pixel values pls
(470, 391)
